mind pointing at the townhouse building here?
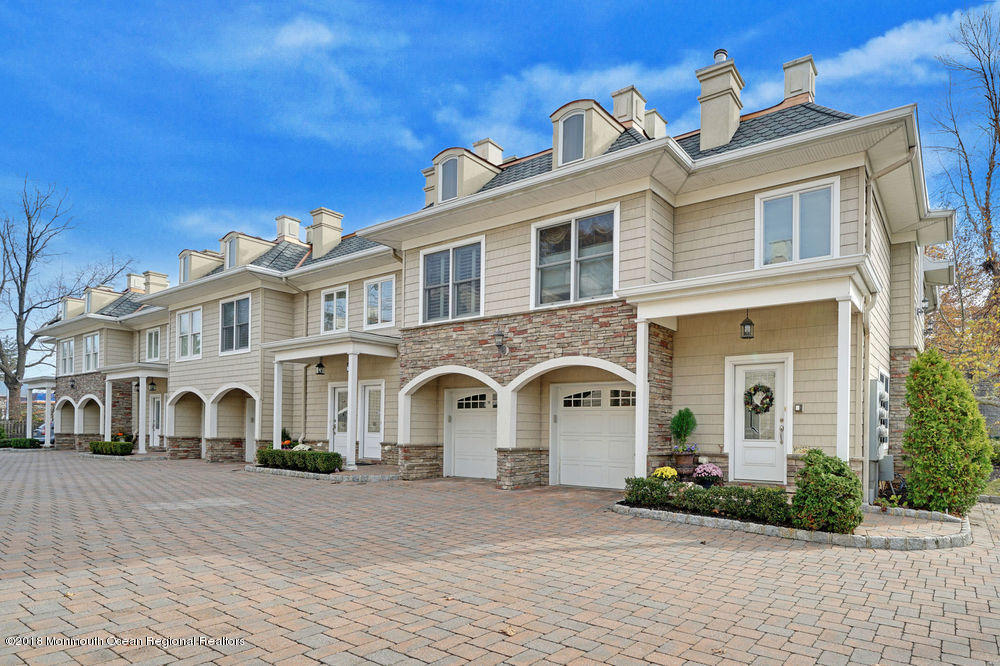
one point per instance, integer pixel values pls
(539, 319)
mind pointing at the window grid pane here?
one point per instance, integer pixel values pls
(572, 138)
(778, 230)
(372, 304)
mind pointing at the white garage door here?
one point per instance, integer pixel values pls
(471, 437)
(595, 434)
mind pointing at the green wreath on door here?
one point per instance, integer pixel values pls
(766, 398)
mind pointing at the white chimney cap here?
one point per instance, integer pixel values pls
(720, 55)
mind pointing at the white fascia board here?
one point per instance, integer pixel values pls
(337, 261)
(175, 294)
(77, 324)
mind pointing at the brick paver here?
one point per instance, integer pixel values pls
(447, 571)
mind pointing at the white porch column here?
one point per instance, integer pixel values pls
(506, 419)
(143, 400)
(352, 410)
(843, 379)
(107, 410)
(48, 417)
(641, 396)
(404, 419)
(27, 413)
(276, 431)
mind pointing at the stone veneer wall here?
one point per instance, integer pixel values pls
(83, 440)
(421, 461)
(64, 441)
(522, 468)
(179, 448)
(224, 449)
(604, 330)
(94, 383)
(121, 406)
(899, 369)
(390, 453)
(661, 386)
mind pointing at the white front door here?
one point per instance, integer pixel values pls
(155, 420)
(249, 431)
(371, 446)
(338, 419)
(759, 448)
(593, 435)
(471, 433)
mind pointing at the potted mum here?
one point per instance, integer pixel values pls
(707, 475)
(681, 426)
(666, 473)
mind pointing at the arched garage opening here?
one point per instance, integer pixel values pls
(233, 421)
(89, 417)
(185, 425)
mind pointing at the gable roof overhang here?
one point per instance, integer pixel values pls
(217, 285)
(313, 347)
(84, 323)
(888, 143)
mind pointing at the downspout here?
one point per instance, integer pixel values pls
(865, 364)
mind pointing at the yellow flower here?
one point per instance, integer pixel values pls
(665, 473)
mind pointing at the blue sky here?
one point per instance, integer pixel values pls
(170, 123)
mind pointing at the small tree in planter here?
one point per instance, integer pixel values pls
(681, 426)
(945, 444)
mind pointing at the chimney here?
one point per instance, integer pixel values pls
(654, 125)
(489, 150)
(629, 106)
(155, 282)
(134, 282)
(720, 101)
(288, 228)
(800, 78)
(324, 232)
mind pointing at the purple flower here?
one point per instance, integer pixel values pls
(707, 470)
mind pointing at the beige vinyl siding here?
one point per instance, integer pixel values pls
(231, 414)
(907, 323)
(880, 318)
(717, 236)
(661, 239)
(313, 324)
(189, 416)
(277, 324)
(116, 347)
(507, 258)
(427, 407)
(809, 331)
(91, 420)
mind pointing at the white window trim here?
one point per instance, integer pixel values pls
(184, 269)
(551, 222)
(583, 143)
(96, 353)
(482, 279)
(159, 343)
(177, 341)
(440, 179)
(364, 298)
(227, 245)
(347, 310)
(87, 302)
(249, 346)
(72, 357)
(758, 233)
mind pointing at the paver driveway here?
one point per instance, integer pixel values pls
(448, 571)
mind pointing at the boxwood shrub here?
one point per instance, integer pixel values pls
(827, 495)
(20, 443)
(752, 504)
(111, 448)
(945, 444)
(320, 462)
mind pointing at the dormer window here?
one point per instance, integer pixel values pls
(230, 253)
(185, 270)
(571, 139)
(449, 179)
(86, 307)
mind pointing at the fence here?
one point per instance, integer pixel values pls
(13, 428)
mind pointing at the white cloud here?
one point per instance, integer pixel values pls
(303, 32)
(208, 224)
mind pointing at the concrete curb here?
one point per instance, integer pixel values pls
(912, 513)
(962, 538)
(332, 478)
(134, 457)
(989, 499)
(40, 448)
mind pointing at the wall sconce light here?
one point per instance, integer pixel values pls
(320, 368)
(925, 305)
(152, 385)
(746, 327)
(72, 382)
(499, 339)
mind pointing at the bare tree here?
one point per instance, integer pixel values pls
(29, 293)
(967, 325)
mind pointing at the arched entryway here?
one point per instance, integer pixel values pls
(232, 431)
(89, 421)
(64, 422)
(582, 411)
(453, 408)
(185, 424)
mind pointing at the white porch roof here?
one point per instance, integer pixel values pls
(140, 369)
(331, 344)
(45, 382)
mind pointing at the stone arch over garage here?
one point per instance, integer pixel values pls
(185, 424)
(233, 425)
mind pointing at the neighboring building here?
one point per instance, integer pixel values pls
(541, 318)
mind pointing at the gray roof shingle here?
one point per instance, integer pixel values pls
(774, 125)
(630, 137)
(123, 305)
(347, 246)
(282, 257)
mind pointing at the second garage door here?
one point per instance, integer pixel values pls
(594, 434)
(471, 434)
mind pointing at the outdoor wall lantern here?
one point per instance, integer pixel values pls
(72, 383)
(746, 328)
(499, 339)
(320, 368)
(152, 386)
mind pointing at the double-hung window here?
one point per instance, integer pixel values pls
(453, 282)
(379, 302)
(153, 344)
(335, 310)
(449, 179)
(234, 333)
(91, 346)
(66, 357)
(185, 269)
(189, 334)
(574, 260)
(230, 258)
(798, 223)
(571, 140)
